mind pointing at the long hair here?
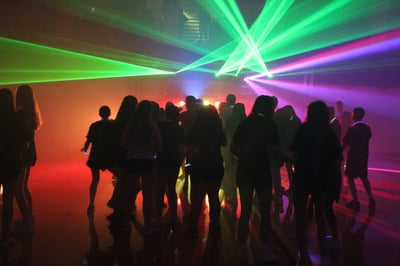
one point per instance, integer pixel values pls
(141, 124)
(26, 101)
(318, 114)
(126, 110)
(263, 105)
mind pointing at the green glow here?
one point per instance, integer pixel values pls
(270, 15)
(339, 21)
(30, 63)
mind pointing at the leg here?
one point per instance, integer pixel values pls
(265, 198)
(215, 205)
(320, 204)
(331, 218)
(171, 193)
(300, 207)
(27, 193)
(197, 193)
(93, 188)
(21, 200)
(367, 187)
(147, 193)
(9, 188)
(352, 187)
(246, 201)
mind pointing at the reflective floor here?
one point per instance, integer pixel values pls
(66, 235)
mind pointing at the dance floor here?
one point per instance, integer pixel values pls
(65, 235)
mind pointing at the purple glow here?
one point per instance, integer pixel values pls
(380, 43)
(368, 97)
(384, 170)
(284, 97)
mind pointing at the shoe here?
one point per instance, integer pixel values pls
(267, 255)
(243, 252)
(372, 202)
(354, 204)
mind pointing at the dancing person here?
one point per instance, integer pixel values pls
(125, 190)
(254, 139)
(99, 140)
(142, 141)
(357, 139)
(187, 118)
(316, 151)
(169, 160)
(204, 141)
(15, 135)
(229, 181)
(28, 109)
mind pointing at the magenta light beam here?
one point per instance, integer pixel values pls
(376, 44)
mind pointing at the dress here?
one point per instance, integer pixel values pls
(316, 151)
(357, 138)
(101, 151)
(250, 144)
(14, 135)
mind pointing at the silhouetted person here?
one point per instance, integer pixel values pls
(287, 123)
(357, 139)
(225, 108)
(169, 161)
(142, 141)
(253, 141)
(335, 188)
(125, 189)
(230, 162)
(187, 118)
(204, 140)
(28, 109)
(14, 137)
(98, 138)
(315, 151)
(343, 116)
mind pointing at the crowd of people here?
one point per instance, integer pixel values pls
(241, 155)
(218, 149)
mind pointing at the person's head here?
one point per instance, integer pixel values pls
(104, 112)
(126, 109)
(144, 109)
(263, 105)
(339, 106)
(317, 113)
(190, 102)
(6, 101)
(25, 100)
(24, 97)
(172, 113)
(358, 114)
(231, 99)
